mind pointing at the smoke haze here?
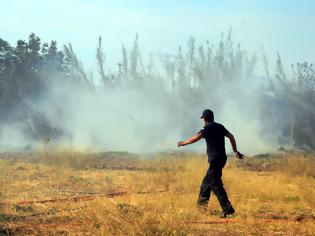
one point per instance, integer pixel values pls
(139, 119)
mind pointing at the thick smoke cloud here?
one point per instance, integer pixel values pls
(110, 119)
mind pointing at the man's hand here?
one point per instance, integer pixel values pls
(191, 140)
(239, 155)
(180, 143)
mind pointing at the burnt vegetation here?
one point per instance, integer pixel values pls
(286, 99)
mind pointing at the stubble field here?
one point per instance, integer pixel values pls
(68, 193)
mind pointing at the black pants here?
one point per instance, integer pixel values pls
(212, 182)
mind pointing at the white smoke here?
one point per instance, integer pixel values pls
(135, 120)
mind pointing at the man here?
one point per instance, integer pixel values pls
(214, 134)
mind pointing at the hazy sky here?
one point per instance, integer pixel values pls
(284, 26)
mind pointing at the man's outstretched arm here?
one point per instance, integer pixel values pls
(233, 144)
(191, 140)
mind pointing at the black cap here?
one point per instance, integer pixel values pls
(207, 115)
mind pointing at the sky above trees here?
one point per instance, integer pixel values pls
(278, 25)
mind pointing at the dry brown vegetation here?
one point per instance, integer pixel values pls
(69, 193)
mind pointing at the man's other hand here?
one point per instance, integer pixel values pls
(239, 155)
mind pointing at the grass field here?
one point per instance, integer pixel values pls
(68, 193)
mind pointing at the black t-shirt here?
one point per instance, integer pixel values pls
(214, 134)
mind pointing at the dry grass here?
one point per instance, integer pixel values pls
(273, 195)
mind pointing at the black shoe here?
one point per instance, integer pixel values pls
(225, 214)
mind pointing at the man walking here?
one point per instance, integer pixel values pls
(214, 134)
